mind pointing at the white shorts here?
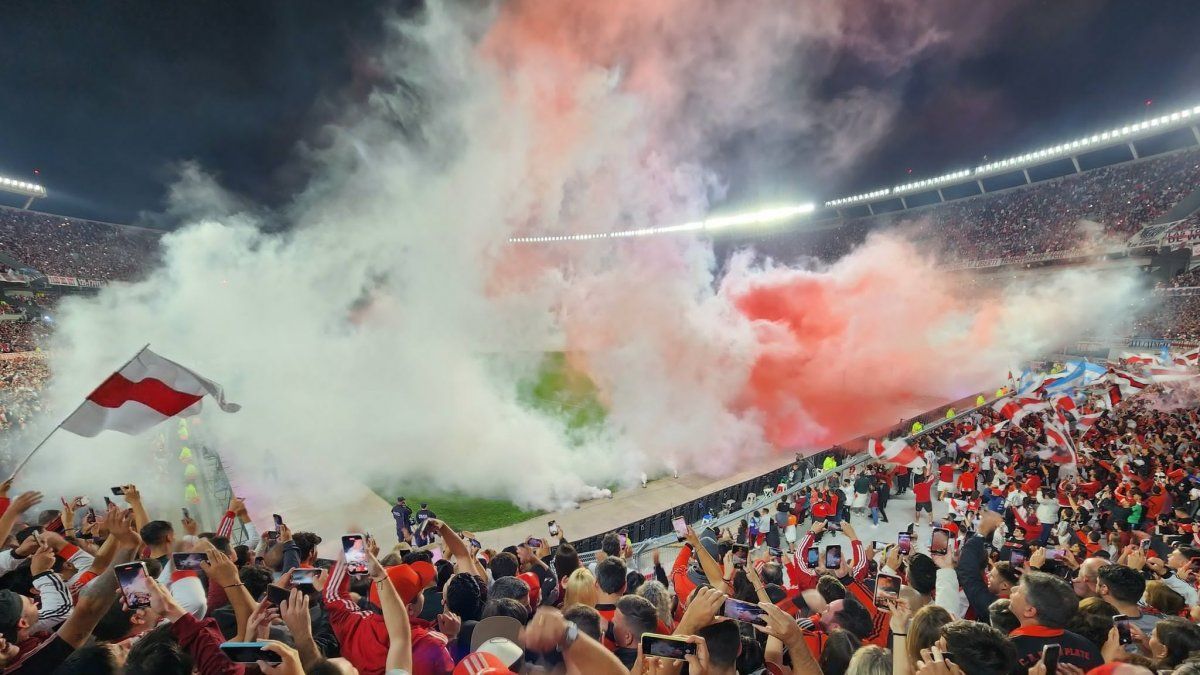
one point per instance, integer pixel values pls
(945, 486)
(860, 501)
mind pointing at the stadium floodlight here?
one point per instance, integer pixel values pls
(760, 217)
(25, 188)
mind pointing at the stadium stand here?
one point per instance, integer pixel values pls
(74, 247)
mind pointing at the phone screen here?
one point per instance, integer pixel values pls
(1054, 553)
(355, 548)
(624, 540)
(666, 646)
(833, 556)
(118, 491)
(278, 521)
(811, 557)
(904, 543)
(887, 587)
(1017, 559)
(304, 576)
(553, 525)
(278, 595)
(188, 561)
(534, 542)
(746, 612)
(680, 526)
(249, 652)
(939, 544)
(1050, 654)
(1122, 623)
(1145, 544)
(186, 515)
(135, 584)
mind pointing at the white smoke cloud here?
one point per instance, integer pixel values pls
(409, 210)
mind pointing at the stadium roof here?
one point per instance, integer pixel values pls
(1115, 136)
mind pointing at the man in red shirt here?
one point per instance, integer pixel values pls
(921, 491)
(945, 480)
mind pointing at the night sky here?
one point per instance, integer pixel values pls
(105, 97)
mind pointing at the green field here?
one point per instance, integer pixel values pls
(558, 391)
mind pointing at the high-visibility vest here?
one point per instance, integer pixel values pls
(980, 400)
(917, 426)
(829, 464)
(1000, 392)
(949, 413)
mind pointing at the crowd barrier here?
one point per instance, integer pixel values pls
(656, 531)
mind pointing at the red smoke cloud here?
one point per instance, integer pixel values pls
(879, 335)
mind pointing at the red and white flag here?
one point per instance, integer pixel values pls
(1112, 397)
(1059, 447)
(897, 452)
(1016, 409)
(1129, 383)
(147, 391)
(1064, 403)
(1138, 358)
(1085, 423)
(1189, 358)
(1172, 373)
(975, 442)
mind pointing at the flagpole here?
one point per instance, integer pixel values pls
(61, 422)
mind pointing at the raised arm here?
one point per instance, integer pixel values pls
(134, 499)
(221, 570)
(712, 570)
(463, 560)
(549, 632)
(96, 598)
(395, 618)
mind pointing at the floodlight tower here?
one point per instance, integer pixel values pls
(31, 190)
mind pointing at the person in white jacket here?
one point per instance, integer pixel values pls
(1047, 513)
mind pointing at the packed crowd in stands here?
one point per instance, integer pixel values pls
(1188, 279)
(1036, 567)
(1174, 317)
(1043, 217)
(20, 335)
(71, 247)
(21, 383)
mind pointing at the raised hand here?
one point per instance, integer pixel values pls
(294, 613)
(291, 660)
(42, 560)
(120, 526)
(220, 568)
(131, 493)
(779, 624)
(449, 624)
(25, 501)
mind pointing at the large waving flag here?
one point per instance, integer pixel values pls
(1188, 358)
(897, 452)
(976, 441)
(1015, 409)
(1059, 447)
(1128, 382)
(146, 391)
(1171, 373)
(1085, 422)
